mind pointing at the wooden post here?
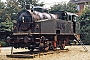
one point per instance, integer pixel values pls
(12, 49)
(39, 49)
(0, 47)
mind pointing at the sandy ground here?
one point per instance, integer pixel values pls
(74, 53)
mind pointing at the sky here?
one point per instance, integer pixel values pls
(49, 3)
(3, 0)
(53, 1)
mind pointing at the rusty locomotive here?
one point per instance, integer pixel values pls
(38, 29)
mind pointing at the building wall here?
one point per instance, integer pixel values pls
(80, 5)
(81, 8)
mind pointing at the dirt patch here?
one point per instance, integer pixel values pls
(74, 53)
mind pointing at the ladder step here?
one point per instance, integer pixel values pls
(37, 38)
(36, 47)
(83, 45)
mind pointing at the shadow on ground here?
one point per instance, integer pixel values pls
(25, 54)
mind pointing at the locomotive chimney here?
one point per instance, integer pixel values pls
(27, 5)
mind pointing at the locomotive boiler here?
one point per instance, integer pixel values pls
(37, 28)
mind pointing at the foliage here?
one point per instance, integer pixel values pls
(7, 25)
(33, 2)
(3, 43)
(12, 8)
(85, 25)
(2, 6)
(70, 7)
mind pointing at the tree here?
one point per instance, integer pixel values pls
(33, 2)
(70, 7)
(6, 25)
(85, 25)
(12, 8)
(2, 6)
(7, 11)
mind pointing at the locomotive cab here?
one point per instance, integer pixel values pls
(73, 18)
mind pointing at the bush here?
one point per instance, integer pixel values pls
(3, 43)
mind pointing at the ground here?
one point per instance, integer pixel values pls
(74, 53)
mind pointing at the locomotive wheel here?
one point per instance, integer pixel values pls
(61, 47)
(41, 47)
(31, 47)
(51, 47)
(46, 47)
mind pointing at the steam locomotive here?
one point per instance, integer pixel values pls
(37, 28)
